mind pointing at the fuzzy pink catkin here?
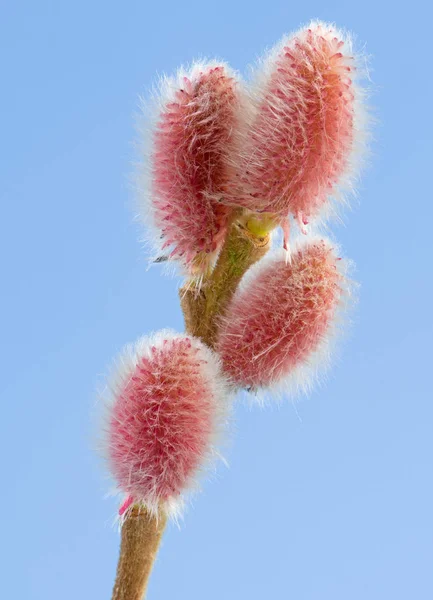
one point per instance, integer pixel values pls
(281, 316)
(190, 168)
(168, 403)
(302, 138)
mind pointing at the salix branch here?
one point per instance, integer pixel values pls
(228, 165)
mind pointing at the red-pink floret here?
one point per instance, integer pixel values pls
(190, 166)
(161, 423)
(303, 133)
(280, 317)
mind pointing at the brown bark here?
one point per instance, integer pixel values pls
(204, 307)
(141, 535)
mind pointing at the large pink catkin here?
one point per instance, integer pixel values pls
(281, 316)
(302, 137)
(167, 406)
(190, 169)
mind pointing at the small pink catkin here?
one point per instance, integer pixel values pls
(167, 405)
(302, 140)
(190, 169)
(281, 317)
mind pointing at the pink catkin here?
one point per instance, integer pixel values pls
(162, 419)
(302, 136)
(280, 316)
(191, 145)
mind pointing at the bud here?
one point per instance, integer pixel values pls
(277, 325)
(166, 407)
(307, 126)
(191, 144)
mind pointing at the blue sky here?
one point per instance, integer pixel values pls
(332, 500)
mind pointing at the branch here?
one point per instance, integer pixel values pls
(203, 307)
(141, 535)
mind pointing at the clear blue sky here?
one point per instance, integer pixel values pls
(331, 501)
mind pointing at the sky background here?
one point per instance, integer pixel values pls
(329, 501)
